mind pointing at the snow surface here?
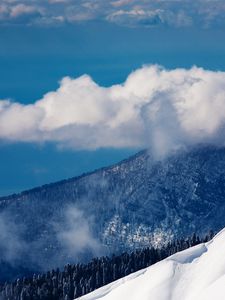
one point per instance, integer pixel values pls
(197, 273)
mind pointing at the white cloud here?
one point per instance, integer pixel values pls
(123, 12)
(22, 9)
(166, 109)
(137, 17)
(13, 12)
(119, 3)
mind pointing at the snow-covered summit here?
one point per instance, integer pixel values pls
(197, 273)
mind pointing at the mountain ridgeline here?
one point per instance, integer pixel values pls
(137, 203)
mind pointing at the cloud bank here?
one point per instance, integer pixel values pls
(131, 13)
(164, 109)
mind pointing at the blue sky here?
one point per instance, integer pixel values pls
(41, 42)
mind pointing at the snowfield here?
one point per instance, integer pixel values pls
(197, 273)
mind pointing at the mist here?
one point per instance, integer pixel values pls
(12, 243)
(75, 235)
(69, 239)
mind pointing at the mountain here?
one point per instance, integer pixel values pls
(197, 273)
(135, 203)
(76, 280)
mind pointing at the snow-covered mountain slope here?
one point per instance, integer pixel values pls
(135, 203)
(197, 273)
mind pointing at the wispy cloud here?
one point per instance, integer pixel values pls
(149, 18)
(119, 3)
(69, 231)
(12, 12)
(75, 235)
(123, 12)
(12, 244)
(166, 109)
(22, 9)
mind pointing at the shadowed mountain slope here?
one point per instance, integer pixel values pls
(135, 203)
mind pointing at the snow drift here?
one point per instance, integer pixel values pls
(197, 273)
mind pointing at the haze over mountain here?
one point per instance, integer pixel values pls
(197, 273)
(135, 203)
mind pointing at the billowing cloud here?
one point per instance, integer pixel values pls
(166, 109)
(123, 12)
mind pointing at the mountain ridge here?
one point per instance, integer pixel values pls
(67, 180)
(132, 204)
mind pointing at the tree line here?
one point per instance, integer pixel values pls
(76, 280)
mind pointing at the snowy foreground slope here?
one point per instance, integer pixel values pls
(197, 273)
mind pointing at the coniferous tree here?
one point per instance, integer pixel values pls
(76, 280)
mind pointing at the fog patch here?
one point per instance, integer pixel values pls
(75, 235)
(12, 243)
